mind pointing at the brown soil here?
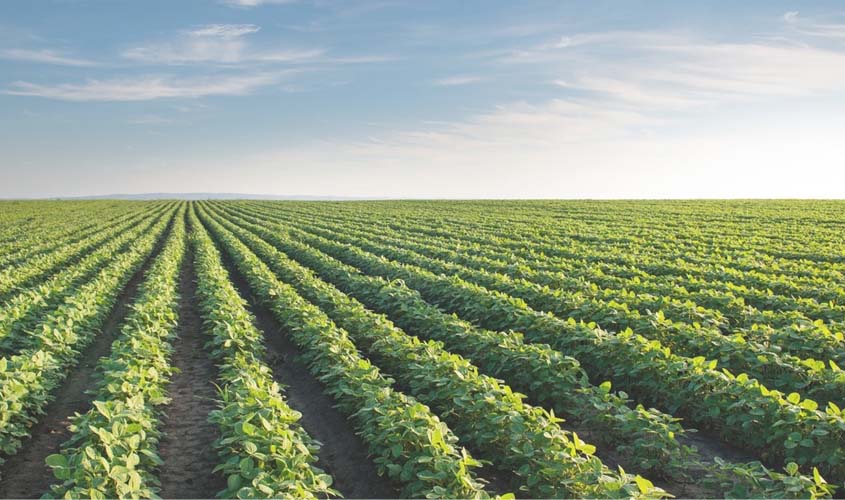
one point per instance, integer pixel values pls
(284, 360)
(496, 481)
(187, 446)
(342, 454)
(25, 475)
(710, 446)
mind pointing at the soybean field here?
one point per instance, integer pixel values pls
(422, 349)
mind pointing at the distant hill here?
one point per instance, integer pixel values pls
(209, 196)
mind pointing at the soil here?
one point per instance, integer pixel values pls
(187, 446)
(342, 454)
(25, 475)
(282, 350)
(496, 481)
(710, 446)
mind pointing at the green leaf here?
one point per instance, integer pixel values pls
(643, 484)
(103, 408)
(249, 429)
(234, 482)
(809, 404)
(246, 466)
(56, 461)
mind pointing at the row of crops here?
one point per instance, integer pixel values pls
(475, 349)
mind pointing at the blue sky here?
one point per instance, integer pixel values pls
(404, 98)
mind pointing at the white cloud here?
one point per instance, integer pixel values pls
(217, 44)
(551, 150)
(150, 119)
(814, 28)
(217, 51)
(365, 59)
(146, 88)
(457, 80)
(288, 56)
(254, 3)
(673, 116)
(664, 70)
(43, 56)
(225, 31)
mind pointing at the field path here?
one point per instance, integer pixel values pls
(26, 474)
(342, 453)
(187, 446)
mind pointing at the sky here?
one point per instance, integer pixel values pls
(423, 99)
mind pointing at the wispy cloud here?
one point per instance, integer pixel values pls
(228, 45)
(457, 80)
(225, 31)
(146, 88)
(150, 119)
(637, 111)
(217, 44)
(245, 4)
(670, 70)
(362, 59)
(44, 56)
(814, 28)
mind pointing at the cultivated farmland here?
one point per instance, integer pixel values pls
(466, 349)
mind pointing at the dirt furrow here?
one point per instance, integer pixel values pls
(187, 446)
(25, 475)
(343, 454)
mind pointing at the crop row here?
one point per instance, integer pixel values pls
(751, 246)
(112, 452)
(646, 437)
(754, 288)
(265, 452)
(778, 428)
(676, 302)
(748, 245)
(535, 369)
(409, 444)
(759, 235)
(28, 379)
(20, 315)
(717, 301)
(13, 278)
(736, 353)
(613, 307)
(546, 461)
(50, 231)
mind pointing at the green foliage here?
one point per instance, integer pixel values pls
(644, 366)
(546, 460)
(30, 377)
(265, 453)
(24, 312)
(112, 452)
(407, 442)
(729, 316)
